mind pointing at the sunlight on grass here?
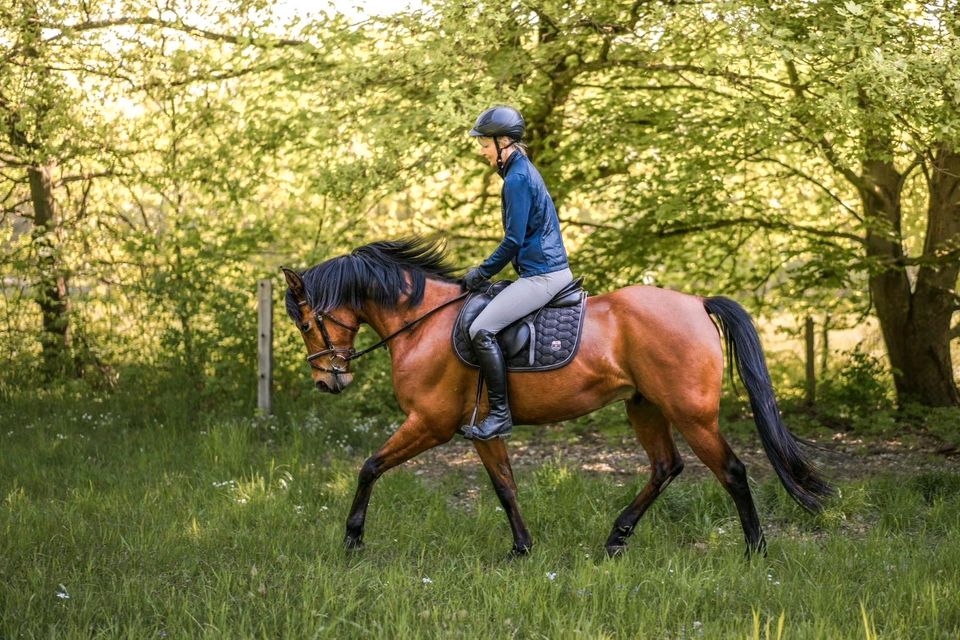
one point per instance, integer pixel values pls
(148, 533)
(765, 632)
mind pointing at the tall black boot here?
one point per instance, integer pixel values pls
(493, 368)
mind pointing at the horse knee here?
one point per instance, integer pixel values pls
(664, 472)
(735, 474)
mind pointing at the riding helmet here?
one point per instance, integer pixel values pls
(498, 121)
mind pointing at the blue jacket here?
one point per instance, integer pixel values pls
(530, 223)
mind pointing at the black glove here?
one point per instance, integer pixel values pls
(474, 279)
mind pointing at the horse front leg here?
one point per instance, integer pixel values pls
(412, 438)
(494, 455)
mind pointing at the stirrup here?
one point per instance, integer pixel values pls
(467, 430)
(468, 433)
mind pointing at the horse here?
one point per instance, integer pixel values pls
(657, 350)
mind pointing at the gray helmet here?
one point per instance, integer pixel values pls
(498, 121)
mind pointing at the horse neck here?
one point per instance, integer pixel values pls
(386, 321)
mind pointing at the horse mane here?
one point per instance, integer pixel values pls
(374, 273)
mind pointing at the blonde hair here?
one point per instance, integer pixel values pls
(516, 143)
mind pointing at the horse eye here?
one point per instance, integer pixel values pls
(305, 327)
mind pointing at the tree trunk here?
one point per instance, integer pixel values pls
(928, 368)
(51, 291)
(915, 324)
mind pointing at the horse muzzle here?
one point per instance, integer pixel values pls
(336, 384)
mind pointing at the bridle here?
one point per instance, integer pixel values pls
(346, 354)
(329, 347)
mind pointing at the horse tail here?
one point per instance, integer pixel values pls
(797, 474)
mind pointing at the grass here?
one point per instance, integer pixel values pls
(233, 528)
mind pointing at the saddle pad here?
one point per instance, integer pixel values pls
(556, 338)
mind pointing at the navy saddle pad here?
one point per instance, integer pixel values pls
(546, 339)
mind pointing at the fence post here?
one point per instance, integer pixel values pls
(811, 371)
(824, 345)
(264, 346)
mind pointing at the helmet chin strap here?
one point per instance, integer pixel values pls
(499, 150)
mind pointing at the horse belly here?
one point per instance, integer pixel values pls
(539, 398)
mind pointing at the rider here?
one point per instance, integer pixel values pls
(532, 244)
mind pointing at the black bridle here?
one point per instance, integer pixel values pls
(340, 354)
(346, 354)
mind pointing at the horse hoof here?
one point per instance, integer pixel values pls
(351, 543)
(616, 550)
(755, 552)
(519, 552)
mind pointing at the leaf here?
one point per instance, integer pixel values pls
(853, 8)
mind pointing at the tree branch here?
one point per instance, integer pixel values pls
(591, 225)
(652, 87)
(825, 145)
(212, 77)
(778, 225)
(801, 174)
(736, 78)
(85, 176)
(11, 161)
(176, 25)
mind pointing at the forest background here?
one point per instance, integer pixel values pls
(158, 158)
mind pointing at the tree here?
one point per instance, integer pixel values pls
(735, 145)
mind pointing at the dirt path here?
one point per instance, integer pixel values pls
(844, 458)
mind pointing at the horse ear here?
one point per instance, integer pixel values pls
(294, 281)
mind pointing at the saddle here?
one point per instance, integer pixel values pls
(545, 339)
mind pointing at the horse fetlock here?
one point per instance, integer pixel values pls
(353, 541)
(759, 547)
(617, 542)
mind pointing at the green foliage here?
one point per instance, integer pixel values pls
(710, 148)
(858, 389)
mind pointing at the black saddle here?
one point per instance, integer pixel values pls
(545, 339)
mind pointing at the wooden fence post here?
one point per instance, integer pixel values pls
(264, 346)
(811, 371)
(825, 346)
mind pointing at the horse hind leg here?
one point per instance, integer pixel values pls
(653, 431)
(704, 438)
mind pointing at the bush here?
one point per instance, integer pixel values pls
(860, 391)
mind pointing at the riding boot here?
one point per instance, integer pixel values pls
(493, 368)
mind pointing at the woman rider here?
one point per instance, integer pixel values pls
(532, 243)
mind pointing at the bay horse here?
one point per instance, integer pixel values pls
(655, 349)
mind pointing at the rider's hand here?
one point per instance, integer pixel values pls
(474, 279)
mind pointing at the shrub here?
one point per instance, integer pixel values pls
(858, 390)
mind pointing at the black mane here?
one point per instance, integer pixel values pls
(374, 273)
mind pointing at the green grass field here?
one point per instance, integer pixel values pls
(232, 529)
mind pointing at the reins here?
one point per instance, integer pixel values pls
(407, 326)
(347, 354)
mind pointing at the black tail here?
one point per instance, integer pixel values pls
(743, 347)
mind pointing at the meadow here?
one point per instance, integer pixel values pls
(115, 527)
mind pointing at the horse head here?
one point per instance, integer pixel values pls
(327, 334)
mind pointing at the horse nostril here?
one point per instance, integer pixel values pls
(322, 386)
